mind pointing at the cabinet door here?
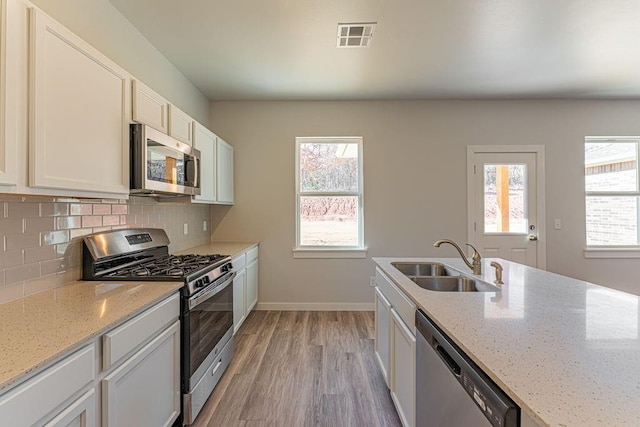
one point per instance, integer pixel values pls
(9, 84)
(403, 370)
(239, 307)
(79, 113)
(224, 172)
(382, 343)
(252, 285)
(81, 413)
(149, 107)
(180, 125)
(145, 389)
(205, 141)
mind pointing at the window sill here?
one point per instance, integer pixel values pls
(612, 253)
(329, 253)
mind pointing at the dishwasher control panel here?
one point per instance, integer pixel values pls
(492, 413)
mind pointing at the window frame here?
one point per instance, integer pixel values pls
(612, 251)
(317, 251)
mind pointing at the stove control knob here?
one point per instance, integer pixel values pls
(199, 283)
(205, 280)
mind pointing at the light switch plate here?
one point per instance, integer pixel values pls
(557, 224)
(186, 228)
(372, 281)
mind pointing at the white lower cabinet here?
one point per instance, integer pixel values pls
(383, 333)
(395, 345)
(145, 389)
(44, 399)
(403, 378)
(252, 285)
(81, 413)
(245, 285)
(239, 307)
(133, 381)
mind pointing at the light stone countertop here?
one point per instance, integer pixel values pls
(224, 248)
(566, 351)
(39, 329)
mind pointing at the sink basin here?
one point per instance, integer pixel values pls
(453, 284)
(421, 268)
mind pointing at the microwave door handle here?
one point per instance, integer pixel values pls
(194, 301)
(196, 179)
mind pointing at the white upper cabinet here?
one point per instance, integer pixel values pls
(79, 113)
(205, 141)
(9, 78)
(224, 173)
(149, 108)
(180, 125)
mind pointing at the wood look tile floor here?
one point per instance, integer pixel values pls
(302, 369)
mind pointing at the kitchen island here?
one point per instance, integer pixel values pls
(566, 351)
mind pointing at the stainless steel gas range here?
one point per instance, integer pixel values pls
(206, 300)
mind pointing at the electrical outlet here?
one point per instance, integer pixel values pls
(557, 224)
(186, 228)
(372, 281)
(204, 225)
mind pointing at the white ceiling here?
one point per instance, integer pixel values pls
(286, 49)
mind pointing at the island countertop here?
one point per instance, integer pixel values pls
(566, 351)
(38, 329)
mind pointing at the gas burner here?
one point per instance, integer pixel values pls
(141, 272)
(176, 272)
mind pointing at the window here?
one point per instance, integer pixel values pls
(329, 208)
(612, 192)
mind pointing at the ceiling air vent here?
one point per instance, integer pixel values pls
(355, 35)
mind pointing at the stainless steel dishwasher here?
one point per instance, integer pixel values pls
(450, 388)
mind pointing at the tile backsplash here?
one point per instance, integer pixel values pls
(42, 236)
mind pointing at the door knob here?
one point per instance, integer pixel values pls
(533, 237)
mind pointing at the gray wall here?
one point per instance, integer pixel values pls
(414, 182)
(105, 28)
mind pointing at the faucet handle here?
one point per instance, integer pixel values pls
(476, 254)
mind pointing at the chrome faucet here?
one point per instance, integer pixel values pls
(498, 268)
(476, 266)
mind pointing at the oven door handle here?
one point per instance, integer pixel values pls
(200, 298)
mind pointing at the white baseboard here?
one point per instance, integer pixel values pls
(314, 306)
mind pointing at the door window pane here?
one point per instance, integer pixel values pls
(329, 221)
(328, 167)
(610, 166)
(612, 220)
(504, 199)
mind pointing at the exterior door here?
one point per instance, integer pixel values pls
(504, 205)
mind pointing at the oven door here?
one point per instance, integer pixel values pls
(207, 326)
(163, 164)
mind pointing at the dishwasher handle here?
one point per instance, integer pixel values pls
(448, 360)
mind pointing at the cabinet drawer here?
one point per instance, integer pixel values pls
(122, 340)
(252, 255)
(403, 305)
(239, 262)
(31, 401)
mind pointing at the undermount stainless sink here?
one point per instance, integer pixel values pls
(421, 268)
(435, 276)
(446, 283)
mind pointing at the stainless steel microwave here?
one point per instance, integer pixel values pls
(162, 165)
